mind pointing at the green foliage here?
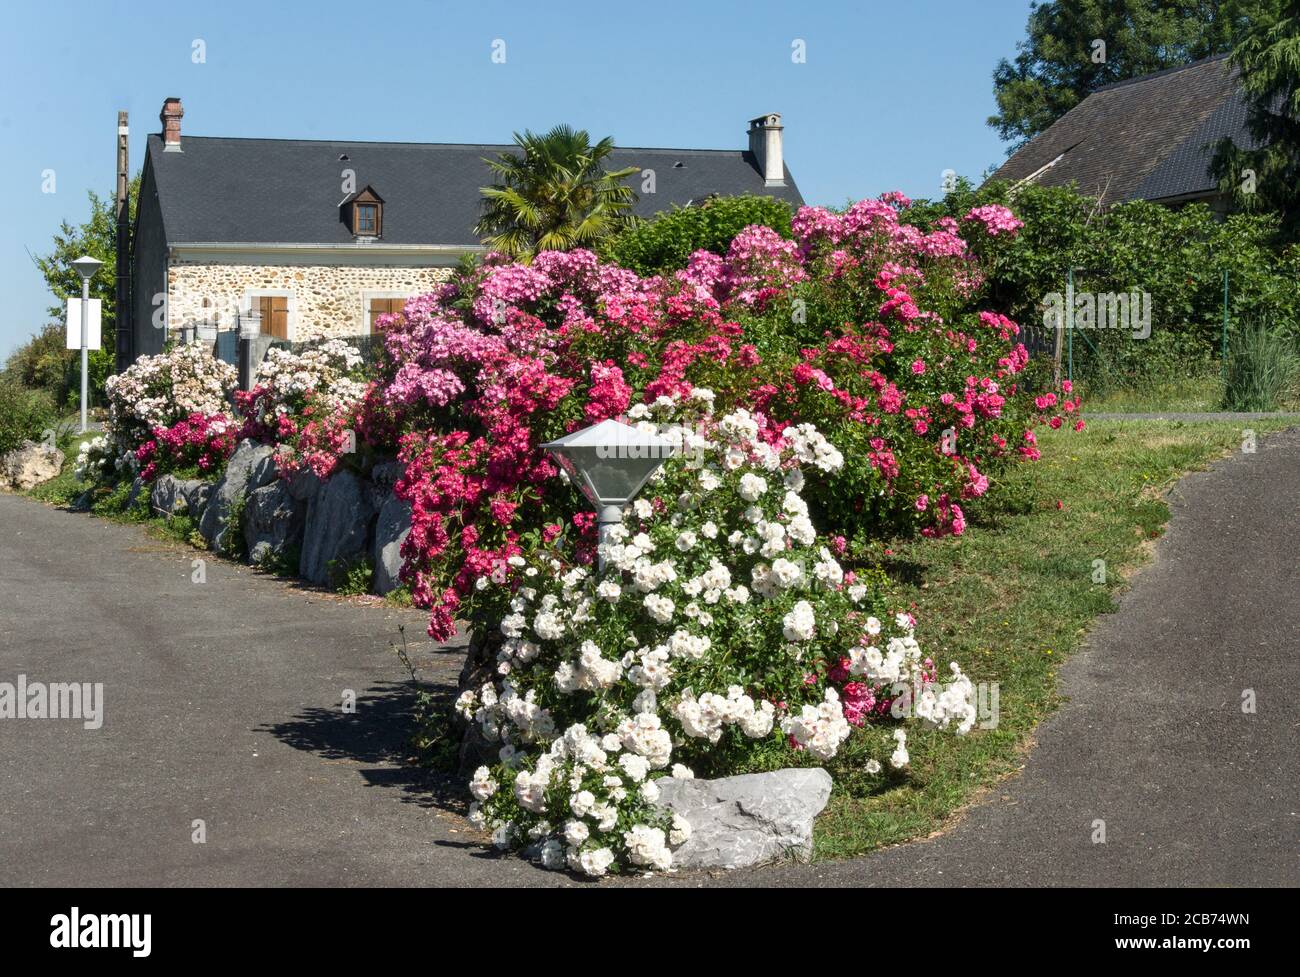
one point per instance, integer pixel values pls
(233, 543)
(1177, 256)
(351, 578)
(1055, 69)
(43, 361)
(24, 414)
(664, 243)
(554, 194)
(1262, 366)
(283, 562)
(1269, 60)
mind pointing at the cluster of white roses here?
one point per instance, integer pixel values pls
(158, 391)
(94, 459)
(580, 790)
(701, 634)
(705, 717)
(323, 370)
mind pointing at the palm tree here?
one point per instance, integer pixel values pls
(554, 194)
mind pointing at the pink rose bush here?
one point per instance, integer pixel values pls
(722, 629)
(863, 325)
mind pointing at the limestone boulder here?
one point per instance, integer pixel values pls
(747, 820)
(28, 465)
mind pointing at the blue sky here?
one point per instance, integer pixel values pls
(890, 96)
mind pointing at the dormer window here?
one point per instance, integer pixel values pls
(366, 222)
(363, 212)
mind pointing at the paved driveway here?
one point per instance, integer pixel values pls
(223, 704)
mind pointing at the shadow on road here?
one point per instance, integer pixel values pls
(378, 733)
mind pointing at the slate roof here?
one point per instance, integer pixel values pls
(289, 190)
(1147, 138)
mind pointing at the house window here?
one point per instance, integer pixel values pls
(375, 307)
(275, 314)
(363, 212)
(367, 220)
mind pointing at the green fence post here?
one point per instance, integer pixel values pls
(1223, 346)
(1069, 322)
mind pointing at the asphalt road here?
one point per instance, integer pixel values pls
(223, 704)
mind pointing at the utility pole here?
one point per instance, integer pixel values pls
(124, 327)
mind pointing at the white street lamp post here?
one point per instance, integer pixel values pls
(610, 462)
(86, 267)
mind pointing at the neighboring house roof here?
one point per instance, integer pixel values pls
(269, 191)
(1149, 138)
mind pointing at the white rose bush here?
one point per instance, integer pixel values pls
(723, 636)
(160, 391)
(305, 403)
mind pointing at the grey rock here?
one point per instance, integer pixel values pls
(391, 529)
(747, 820)
(386, 474)
(303, 484)
(250, 467)
(196, 500)
(137, 487)
(480, 669)
(28, 465)
(171, 496)
(339, 526)
(273, 522)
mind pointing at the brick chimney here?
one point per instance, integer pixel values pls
(170, 116)
(765, 144)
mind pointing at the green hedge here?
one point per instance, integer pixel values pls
(1178, 256)
(664, 243)
(24, 414)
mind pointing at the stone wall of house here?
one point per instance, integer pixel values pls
(325, 300)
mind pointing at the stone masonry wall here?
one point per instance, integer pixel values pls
(326, 299)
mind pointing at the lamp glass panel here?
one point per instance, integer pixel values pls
(614, 479)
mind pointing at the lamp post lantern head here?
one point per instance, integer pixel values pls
(610, 461)
(87, 266)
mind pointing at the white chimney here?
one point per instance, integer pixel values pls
(765, 144)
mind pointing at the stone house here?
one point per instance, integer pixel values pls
(321, 237)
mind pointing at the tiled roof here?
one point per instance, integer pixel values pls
(1150, 137)
(289, 191)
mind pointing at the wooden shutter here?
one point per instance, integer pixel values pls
(380, 307)
(275, 315)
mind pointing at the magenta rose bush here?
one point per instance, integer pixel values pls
(863, 325)
(198, 445)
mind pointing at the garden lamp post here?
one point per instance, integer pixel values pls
(86, 267)
(609, 462)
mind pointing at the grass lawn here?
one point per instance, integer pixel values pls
(1179, 395)
(1013, 597)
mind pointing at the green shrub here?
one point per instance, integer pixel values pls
(25, 414)
(44, 363)
(1261, 367)
(1178, 256)
(665, 243)
(351, 579)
